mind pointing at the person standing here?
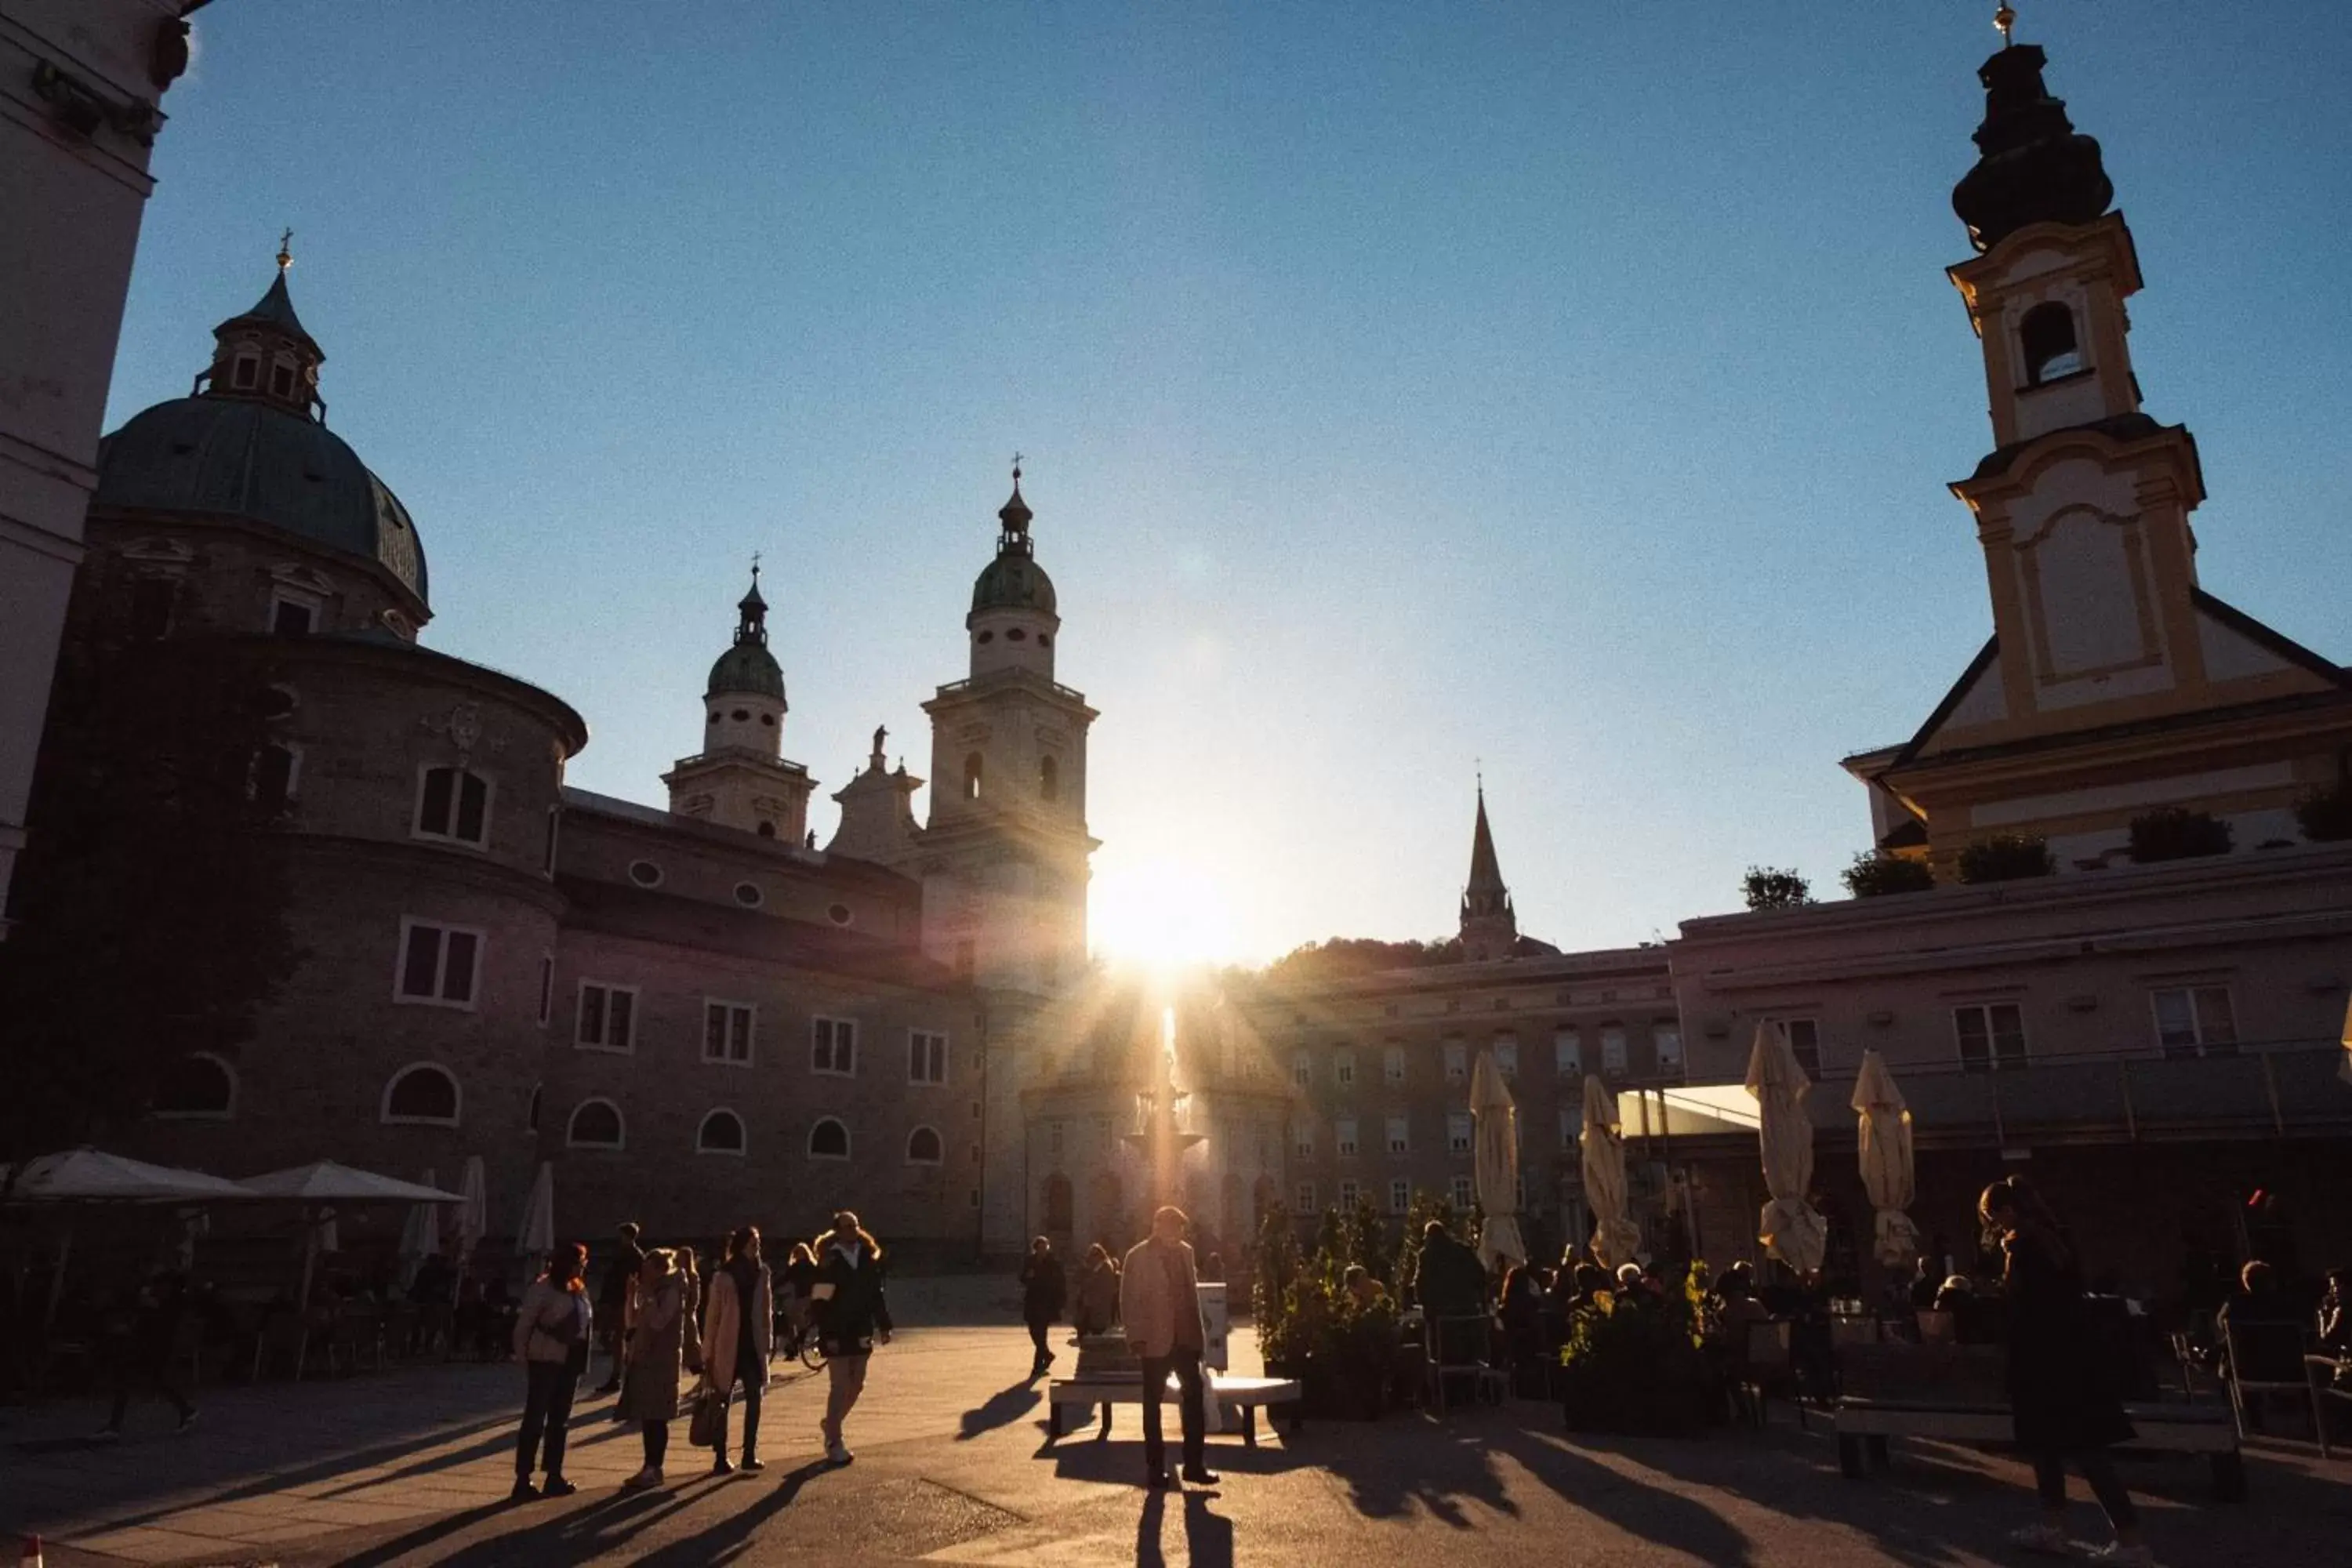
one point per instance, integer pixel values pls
(139, 1336)
(800, 1290)
(1044, 1290)
(649, 1389)
(689, 1283)
(737, 1339)
(613, 1301)
(552, 1336)
(852, 1316)
(1160, 1306)
(1097, 1307)
(2063, 1411)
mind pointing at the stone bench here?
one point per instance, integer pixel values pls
(1243, 1395)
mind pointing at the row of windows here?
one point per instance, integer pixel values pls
(1562, 998)
(2189, 1021)
(598, 1124)
(1461, 1134)
(1049, 772)
(1568, 1057)
(1459, 1191)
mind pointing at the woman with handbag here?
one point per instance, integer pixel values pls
(650, 1379)
(552, 1336)
(735, 1346)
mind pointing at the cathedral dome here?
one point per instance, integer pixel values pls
(255, 462)
(750, 669)
(1013, 582)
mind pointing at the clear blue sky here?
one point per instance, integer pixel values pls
(1565, 385)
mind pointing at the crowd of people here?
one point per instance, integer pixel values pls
(660, 1318)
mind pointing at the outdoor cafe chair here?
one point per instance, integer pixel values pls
(2265, 1358)
(1768, 1366)
(2322, 1374)
(1454, 1347)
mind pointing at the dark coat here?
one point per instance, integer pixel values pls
(2058, 1392)
(1450, 1281)
(847, 1319)
(1044, 1289)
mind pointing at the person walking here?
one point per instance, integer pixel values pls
(613, 1301)
(139, 1335)
(800, 1290)
(1160, 1306)
(1043, 1292)
(851, 1317)
(649, 1387)
(552, 1333)
(736, 1342)
(2063, 1411)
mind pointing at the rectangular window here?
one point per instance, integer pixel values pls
(1612, 1052)
(1506, 1057)
(555, 832)
(152, 600)
(452, 803)
(833, 1047)
(2193, 1020)
(281, 380)
(248, 372)
(1302, 1139)
(927, 1056)
(1302, 1068)
(1462, 1195)
(438, 963)
(1459, 1128)
(1399, 1132)
(1305, 1194)
(727, 1032)
(1054, 1138)
(292, 617)
(1393, 1065)
(546, 988)
(1343, 1067)
(276, 768)
(1666, 1046)
(1572, 1122)
(1567, 1053)
(1991, 1035)
(1400, 1196)
(1343, 1136)
(1805, 1041)
(1348, 1191)
(1457, 1061)
(607, 1017)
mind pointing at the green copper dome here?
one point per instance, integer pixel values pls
(1014, 581)
(748, 668)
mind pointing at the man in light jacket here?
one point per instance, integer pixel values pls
(1159, 1306)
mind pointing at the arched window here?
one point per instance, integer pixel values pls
(2047, 336)
(596, 1124)
(971, 776)
(422, 1094)
(721, 1134)
(199, 1086)
(1049, 778)
(924, 1148)
(767, 830)
(1059, 1203)
(828, 1140)
(275, 767)
(452, 803)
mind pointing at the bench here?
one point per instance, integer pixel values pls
(1957, 1393)
(1243, 1394)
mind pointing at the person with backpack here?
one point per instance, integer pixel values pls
(552, 1336)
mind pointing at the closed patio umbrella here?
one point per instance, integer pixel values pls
(2344, 1067)
(1614, 1234)
(420, 1234)
(1791, 1227)
(1496, 1163)
(535, 1237)
(1887, 1174)
(473, 1208)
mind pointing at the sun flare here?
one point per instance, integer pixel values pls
(1160, 915)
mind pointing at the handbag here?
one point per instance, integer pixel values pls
(709, 1405)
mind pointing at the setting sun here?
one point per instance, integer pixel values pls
(1160, 915)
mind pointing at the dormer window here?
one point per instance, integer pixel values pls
(281, 380)
(248, 372)
(2047, 336)
(1049, 778)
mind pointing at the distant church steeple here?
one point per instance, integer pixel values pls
(739, 778)
(264, 353)
(1490, 927)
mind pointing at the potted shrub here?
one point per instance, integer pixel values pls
(1635, 1369)
(2005, 857)
(2168, 833)
(1775, 888)
(1872, 874)
(2326, 814)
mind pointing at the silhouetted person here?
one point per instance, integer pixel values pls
(1044, 1292)
(612, 1298)
(139, 1335)
(1159, 1306)
(551, 1335)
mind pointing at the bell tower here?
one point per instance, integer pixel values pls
(739, 778)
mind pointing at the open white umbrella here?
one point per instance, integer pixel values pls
(1887, 1174)
(1496, 1163)
(1614, 1234)
(90, 1175)
(535, 1237)
(1791, 1227)
(325, 1182)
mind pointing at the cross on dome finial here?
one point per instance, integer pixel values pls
(285, 251)
(2004, 20)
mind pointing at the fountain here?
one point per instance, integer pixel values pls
(1158, 1135)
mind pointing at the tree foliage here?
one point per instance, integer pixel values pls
(2006, 858)
(1344, 957)
(2169, 833)
(1775, 888)
(1872, 874)
(149, 904)
(2326, 814)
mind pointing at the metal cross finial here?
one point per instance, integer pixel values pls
(755, 565)
(1016, 468)
(2005, 19)
(285, 250)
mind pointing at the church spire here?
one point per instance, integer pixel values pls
(2033, 167)
(264, 353)
(1490, 927)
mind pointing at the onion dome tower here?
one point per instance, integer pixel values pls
(739, 778)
